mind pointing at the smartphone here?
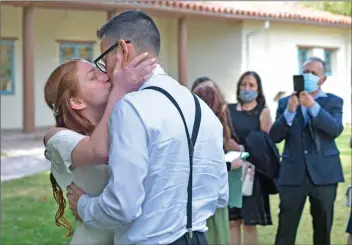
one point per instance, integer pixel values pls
(298, 83)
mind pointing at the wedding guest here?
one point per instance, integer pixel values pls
(218, 225)
(248, 115)
(309, 123)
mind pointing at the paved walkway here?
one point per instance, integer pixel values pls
(22, 155)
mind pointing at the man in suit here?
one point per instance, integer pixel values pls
(309, 122)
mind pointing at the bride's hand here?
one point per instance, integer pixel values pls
(73, 194)
(132, 76)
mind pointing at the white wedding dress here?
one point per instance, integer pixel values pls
(91, 179)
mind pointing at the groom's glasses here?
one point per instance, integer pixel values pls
(98, 61)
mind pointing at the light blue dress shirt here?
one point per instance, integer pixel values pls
(145, 199)
(313, 111)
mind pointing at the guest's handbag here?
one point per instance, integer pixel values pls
(248, 172)
(349, 196)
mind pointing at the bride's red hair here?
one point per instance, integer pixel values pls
(62, 85)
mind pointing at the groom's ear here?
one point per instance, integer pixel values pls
(124, 50)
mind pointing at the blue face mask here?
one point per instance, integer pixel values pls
(248, 96)
(310, 82)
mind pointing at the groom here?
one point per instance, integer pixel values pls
(145, 201)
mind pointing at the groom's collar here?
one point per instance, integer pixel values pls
(157, 71)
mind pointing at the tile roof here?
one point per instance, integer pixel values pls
(253, 9)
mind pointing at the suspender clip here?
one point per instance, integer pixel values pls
(190, 233)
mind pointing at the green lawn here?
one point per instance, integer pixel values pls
(28, 210)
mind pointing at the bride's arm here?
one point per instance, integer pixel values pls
(94, 149)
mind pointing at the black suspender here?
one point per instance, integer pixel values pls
(191, 144)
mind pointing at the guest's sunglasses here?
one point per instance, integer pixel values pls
(98, 61)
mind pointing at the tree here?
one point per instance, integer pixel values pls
(336, 7)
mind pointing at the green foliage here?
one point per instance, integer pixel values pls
(335, 7)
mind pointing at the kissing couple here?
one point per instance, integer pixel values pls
(140, 157)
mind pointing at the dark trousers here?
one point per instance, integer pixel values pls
(349, 225)
(198, 238)
(292, 200)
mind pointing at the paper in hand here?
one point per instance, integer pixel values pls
(232, 155)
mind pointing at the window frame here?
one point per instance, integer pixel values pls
(76, 46)
(300, 51)
(11, 43)
(329, 53)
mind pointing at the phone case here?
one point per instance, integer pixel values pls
(298, 83)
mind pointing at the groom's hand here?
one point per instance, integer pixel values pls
(73, 195)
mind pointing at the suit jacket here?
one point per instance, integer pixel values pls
(310, 147)
(266, 158)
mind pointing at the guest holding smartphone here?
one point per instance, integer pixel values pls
(309, 122)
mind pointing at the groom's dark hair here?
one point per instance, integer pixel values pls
(133, 25)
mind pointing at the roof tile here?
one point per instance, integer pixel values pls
(275, 10)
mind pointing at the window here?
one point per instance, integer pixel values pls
(302, 56)
(328, 61)
(6, 67)
(71, 51)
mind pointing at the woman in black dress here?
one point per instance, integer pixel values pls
(250, 114)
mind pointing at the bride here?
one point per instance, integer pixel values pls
(82, 99)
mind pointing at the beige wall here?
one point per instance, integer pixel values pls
(47, 32)
(215, 49)
(50, 26)
(205, 52)
(11, 105)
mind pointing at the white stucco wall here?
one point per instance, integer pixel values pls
(273, 54)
